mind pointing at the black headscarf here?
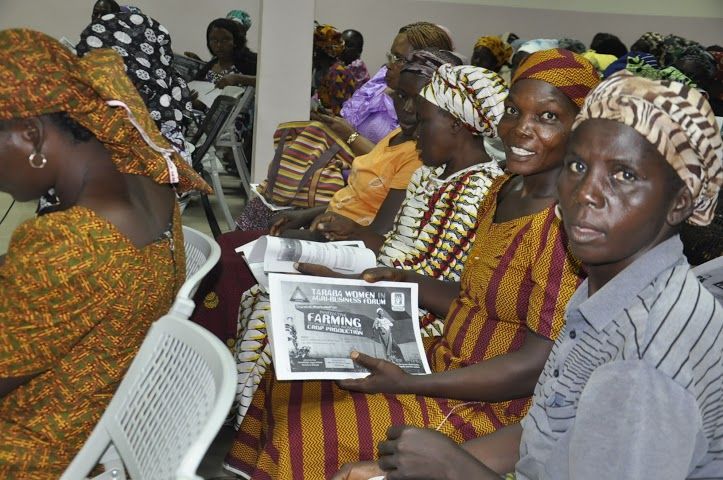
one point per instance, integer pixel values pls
(145, 46)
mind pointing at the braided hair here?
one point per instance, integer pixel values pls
(424, 34)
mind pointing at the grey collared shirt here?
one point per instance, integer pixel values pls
(633, 388)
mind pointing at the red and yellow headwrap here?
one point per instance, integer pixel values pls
(499, 48)
(40, 76)
(329, 40)
(571, 73)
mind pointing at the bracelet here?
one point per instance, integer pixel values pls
(352, 138)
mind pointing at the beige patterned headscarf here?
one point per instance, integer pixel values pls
(473, 95)
(677, 120)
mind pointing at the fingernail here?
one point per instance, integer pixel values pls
(354, 354)
(296, 265)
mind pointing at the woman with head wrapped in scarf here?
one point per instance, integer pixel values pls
(491, 53)
(333, 82)
(499, 320)
(81, 285)
(435, 225)
(641, 354)
(145, 46)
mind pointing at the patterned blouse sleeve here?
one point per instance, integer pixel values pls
(554, 275)
(459, 225)
(48, 283)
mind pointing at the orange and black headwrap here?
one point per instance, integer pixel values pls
(40, 76)
(571, 73)
(329, 40)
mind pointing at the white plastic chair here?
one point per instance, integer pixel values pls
(227, 138)
(166, 411)
(202, 253)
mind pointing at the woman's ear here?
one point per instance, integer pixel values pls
(33, 131)
(681, 207)
(457, 125)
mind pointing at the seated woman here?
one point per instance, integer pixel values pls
(376, 188)
(641, 353)
(491, 53)
(436, 224)
(232, 62)
(145, 46)
(369, 114)
(332, 82)
(82, 285)
(500, 322)
(378, 180)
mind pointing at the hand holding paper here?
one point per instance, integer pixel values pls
(385, 377)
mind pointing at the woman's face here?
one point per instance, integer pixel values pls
(615, 194)
(399, 52)
(220, 41)
(404, 97)
(535, 127)
(434, 133)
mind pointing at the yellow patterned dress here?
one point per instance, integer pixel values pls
(518, 278)
(77, 300)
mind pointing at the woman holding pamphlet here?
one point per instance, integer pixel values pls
(632, 389)
(500, 321)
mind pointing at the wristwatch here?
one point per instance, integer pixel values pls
(352, 138)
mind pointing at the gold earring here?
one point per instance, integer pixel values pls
(35, 157)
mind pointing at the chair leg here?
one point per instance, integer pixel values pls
(218, 190)
(240, 158)
(208, 210)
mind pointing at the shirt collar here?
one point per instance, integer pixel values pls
(609, 301)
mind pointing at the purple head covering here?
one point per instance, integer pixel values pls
(370, 110)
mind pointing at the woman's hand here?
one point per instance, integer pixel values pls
(318, 270)
(230, 79)
(385, 377)
(335, 227)
(192, 55)
(382, 274)
(423, 454)
(287, 220)
(358, 471)
(337, 124)
(196, 103)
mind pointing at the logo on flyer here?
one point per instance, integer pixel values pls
(398, 301)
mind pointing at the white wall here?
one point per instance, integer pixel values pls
(285, 70)
(379, 20)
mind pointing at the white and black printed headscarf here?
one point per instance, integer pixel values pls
(145, 46)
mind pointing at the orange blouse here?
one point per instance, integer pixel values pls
(386, 167)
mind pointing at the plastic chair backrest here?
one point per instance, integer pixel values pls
(186, 67)
(169, 407)
(212, 124)
(202, 253)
